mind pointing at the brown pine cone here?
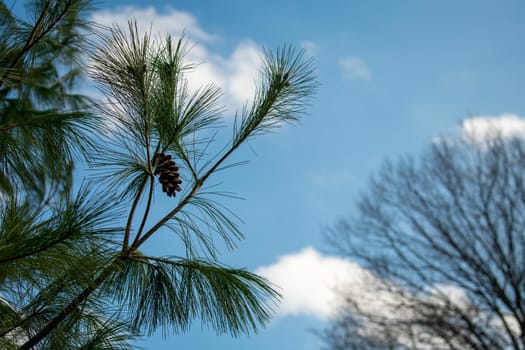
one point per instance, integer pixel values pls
(168, 172)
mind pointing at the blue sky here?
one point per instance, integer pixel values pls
(394, 75)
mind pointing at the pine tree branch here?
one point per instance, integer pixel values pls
(269, 109)
(33, 252)
(196, 187)
(19, 125)
(127, 230)
(44, 119)
(34, 38)
(190, 166)
(82, 297)
(150, 170)
(14, 326)
(146, 211)
(264, 108)
(29, 43)
(167, 217)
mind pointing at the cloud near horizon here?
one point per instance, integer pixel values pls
(235, 74)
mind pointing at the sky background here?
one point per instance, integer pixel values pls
(393, 75)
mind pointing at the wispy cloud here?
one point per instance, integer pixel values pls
(354, 67)
(331, 179)
(311, 48)
(236, 73)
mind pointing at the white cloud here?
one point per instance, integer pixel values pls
(308, 282)
(486, 127)
(312, 284)
(169, 21)
(354, 67)
(236, 74)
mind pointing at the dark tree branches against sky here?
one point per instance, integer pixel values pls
(446, 233)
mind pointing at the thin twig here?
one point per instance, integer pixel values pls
(146, 212)
(127, 230)
(189, 165)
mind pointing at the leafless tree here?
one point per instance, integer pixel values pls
(444, 238)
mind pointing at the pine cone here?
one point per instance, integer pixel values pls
(168, 172)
